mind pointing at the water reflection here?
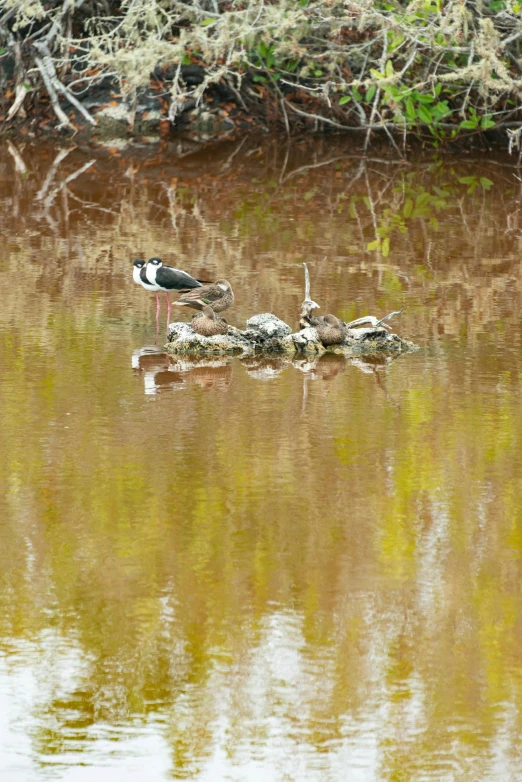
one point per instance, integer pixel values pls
(312, 578)
(161, 371)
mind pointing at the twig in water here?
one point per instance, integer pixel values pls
(52, 195)
(372, 320)
(18, 159)
(308, 305)
(62, 154)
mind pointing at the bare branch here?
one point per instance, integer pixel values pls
(308, 305)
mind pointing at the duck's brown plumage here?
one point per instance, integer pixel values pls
(330, 330)
(219, 296)
(208, 323)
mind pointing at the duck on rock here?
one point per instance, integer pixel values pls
(208, 323)
(330, 330)
(219, 296)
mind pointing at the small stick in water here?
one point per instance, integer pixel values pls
(372, 320)
(308, 305)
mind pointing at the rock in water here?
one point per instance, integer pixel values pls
(304, 341)
(268, 325)
(268, 334)
(183, 339)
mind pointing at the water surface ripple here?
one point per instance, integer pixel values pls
(255, 569)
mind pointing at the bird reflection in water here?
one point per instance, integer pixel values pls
(329, 366)
(378, 365)
(160, 372)
(209, 373)
(267, 368)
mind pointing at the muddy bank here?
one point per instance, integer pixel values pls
(147, 111)
(104, 113)
(267, 334)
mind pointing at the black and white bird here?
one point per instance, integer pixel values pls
(167, 278)
(139, 277)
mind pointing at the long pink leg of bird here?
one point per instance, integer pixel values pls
(157, 315)
(168, 309)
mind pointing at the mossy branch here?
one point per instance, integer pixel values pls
(417, 68)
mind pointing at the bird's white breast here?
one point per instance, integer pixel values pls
(150, 273)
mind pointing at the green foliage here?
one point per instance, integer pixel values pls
(413, 202)
(474, 122)
(425, 80)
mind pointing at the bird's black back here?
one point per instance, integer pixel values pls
(175, 280)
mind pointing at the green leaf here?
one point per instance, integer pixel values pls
(389, 68)
(427, 99)
(356, 94)
(438, 89)
(318, 73)
(470, 124)
(207, 20)
(485, 182)
(467, 180)
(259, 79)
(385, 248)
(486, 122)
(408, 208)
(422, 199)
(410, 110)
(441, 109)
(344, 99)
(376, 74)
(374, 245)
(2, 51)
(424, 115)
(370, 92)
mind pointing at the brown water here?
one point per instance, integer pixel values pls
(251, 570)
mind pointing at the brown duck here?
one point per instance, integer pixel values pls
(219, 296)
(330, 330)
(209, 323)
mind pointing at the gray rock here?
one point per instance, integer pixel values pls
(183, 339)
(307, 341)
(266, 334)
(180, 330)
(268, 325)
